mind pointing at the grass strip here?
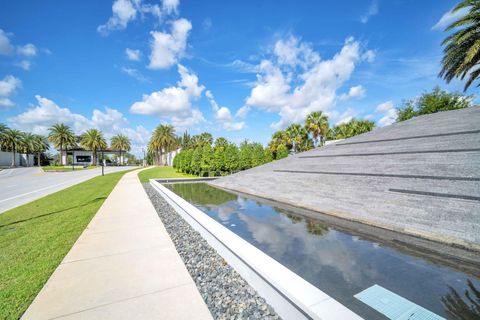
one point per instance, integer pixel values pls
(161, 173)
(35, 237)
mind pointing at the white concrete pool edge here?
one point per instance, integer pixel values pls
(291, 296)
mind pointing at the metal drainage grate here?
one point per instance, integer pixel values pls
(394, 306)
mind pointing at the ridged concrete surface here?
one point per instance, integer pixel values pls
(424, 179)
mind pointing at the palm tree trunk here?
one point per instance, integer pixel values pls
(94, 157)
(28, 161)
(38, 159)
(13, 158)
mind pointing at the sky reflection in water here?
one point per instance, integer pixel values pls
(339, 263)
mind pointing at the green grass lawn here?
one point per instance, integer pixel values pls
(35, 237)
(63, 168)
(160, 173)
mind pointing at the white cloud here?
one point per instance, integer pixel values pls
(6, 47)
(389, 113)
(9, 85)
(292, 52)
(123, 11)
(242, 112)
(449, 17)
(167, 48)
(134, 73)
(293, 95)
(354, 92)
(110, 121)
(223, 115)
(175, 102)
(133, 55)
(28, 50)
(369, 55)
(6, 103)
(24, 64)
(372, 10)
(170, 6)
(344, 117)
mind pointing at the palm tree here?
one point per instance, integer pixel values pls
(62, 137)
(3, 129)
(93, 140)
(12, 141)
(121, 143)
(163, 138)
(28, 145)
(296, 133)
(40, 146)
(461, 54)
(317, 125)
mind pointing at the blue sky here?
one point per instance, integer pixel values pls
(238, 69)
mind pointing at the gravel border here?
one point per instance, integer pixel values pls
(226, 293)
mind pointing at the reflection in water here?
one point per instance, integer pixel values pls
(459, 308)
(338, 262)
(316, 227)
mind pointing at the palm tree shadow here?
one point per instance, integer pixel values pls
(53, 212)
(460, 308)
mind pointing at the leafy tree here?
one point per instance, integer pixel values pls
(62, 137)
(282, 152)
(196, 159)
(12, 141)
(245, 155)
(232, 158)
(317, 125)
(462, 48)
(93, 140)
(121, 143)
(431, 102)
(206, 162)
(221, 143)
(267, 155)
(185, 140)
(187, 161)
(257, 156)
(219, 161)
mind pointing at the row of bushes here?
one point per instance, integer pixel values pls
(221, 159)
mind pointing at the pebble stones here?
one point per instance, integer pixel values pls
(227, 295)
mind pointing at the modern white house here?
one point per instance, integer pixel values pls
(82, 157)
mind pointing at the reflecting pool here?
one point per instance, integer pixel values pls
(339, 262)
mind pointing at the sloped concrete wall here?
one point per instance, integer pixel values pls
(420, 177)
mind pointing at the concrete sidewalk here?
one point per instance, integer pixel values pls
(123, 266)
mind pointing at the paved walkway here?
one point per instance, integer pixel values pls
(123, 266)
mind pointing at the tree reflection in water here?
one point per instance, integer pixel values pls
(459, 308)
(316, 227)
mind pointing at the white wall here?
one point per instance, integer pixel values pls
(168, 157)
(20, 159)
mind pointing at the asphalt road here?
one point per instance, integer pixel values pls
(22, 185)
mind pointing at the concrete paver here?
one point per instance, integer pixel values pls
(123, 266)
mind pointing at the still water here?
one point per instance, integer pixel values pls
(338, 262)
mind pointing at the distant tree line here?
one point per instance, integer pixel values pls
(202, 156)
(62, 138)
(431, 102)
(313, 133)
